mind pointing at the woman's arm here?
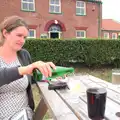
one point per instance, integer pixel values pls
(8, 75)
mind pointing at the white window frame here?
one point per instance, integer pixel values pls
(22, 1)
(54, 6)
(81, 31)
(44, 36)
(34, 33)
(106, 34)
(81, 7)
(114, 34)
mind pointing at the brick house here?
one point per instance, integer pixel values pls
(110, 29)
(57, 18)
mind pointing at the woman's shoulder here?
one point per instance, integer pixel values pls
(23, 53)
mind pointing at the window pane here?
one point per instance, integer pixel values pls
(51, 8)
(114, 36)
(57, 9)
(52, 1)
(82, 34)
(25, 0)
(82, 12)
(57, 2)
(80, 4)
(31, 33)
(25, 6)
(31, 7)
(30, 0)
(78, 34)
(106, 35)
(55, 28)
(77, 4)
(78, 10)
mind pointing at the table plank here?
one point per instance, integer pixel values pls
(113, 98)
(59, 109)
(112, 91)
(111, 86)
(80, 108)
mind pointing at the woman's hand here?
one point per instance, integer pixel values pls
(44, 67)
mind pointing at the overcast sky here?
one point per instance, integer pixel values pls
(111, 9)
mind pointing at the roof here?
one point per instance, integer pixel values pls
(110, 24)
(94, 0)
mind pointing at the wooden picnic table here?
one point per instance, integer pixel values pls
(72, 104)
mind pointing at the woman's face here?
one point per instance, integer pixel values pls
(16, 38)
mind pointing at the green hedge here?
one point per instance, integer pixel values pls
(90, 52)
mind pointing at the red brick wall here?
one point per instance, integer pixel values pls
(68, 17)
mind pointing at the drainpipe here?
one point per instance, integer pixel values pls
(99, 19)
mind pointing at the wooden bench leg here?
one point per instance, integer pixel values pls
(40, 111)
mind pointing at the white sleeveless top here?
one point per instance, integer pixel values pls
(13, 96)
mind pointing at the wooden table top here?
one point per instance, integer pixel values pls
(75, 99)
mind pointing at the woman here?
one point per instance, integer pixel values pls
(16, 69)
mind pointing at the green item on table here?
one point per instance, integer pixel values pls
(58, 72)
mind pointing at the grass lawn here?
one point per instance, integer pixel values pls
(103, 73)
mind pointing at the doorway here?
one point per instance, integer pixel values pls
(55, 31)
(54, 35)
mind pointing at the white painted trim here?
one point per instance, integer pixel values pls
(115, 35)
(81, 7)
(106, 33)
(28, 3)
(81, 31)
(34, 33)
(55, 5)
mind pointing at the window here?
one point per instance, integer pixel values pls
(114, 35)
(80, 34)
(32, 33)
(43, 36)
(28, 5)
(106, 35)
(55, 28)
(80, 8)
(55, 6)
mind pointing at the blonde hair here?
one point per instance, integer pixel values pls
(9, 24)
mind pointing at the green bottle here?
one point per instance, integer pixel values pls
(58, 72)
